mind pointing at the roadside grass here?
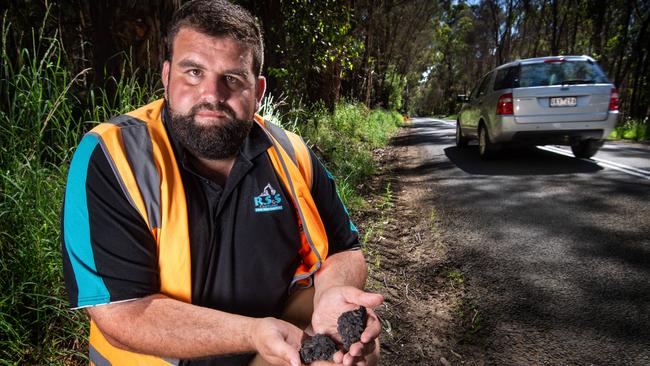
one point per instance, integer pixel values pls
(635, 130)
(41, 122)
(471, 320)
(374, 231)
(466, 312)
(454, 276)
(343, 140)
(37, 130)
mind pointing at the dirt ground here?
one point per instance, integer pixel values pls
(427, 317)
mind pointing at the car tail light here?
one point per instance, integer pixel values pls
(561, 59)
(613, 100)
(504, 105)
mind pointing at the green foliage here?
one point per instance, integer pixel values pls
(318, 35)
(37, 130)
(41, 121)
(395, 84)
(344, 140)
(386, 199)
(454, 276)
(347, 137)
(34, 313)
(471, 38)
(632, 130)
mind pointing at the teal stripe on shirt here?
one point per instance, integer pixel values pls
(76, 228)
(352, 226)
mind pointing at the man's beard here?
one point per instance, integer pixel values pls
(214, 141)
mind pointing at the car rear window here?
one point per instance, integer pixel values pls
(560, 72)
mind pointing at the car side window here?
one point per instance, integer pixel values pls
(474, 93)
(484, 85)
(507, 78)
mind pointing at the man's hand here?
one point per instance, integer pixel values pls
(334, 301)
(276, 341)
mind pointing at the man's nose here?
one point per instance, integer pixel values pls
(214, 91)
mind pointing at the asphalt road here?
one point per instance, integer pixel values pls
(555, 251)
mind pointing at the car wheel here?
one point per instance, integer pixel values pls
(485, 146)
(461, 141)
(586, 148)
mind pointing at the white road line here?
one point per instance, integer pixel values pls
(604, 163)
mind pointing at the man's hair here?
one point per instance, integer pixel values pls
(218, 18)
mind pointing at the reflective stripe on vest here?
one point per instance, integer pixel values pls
(141, 156)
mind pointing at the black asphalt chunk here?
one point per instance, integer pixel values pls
(318, 347)
(351, 324)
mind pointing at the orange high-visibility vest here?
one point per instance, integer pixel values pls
(142, 156)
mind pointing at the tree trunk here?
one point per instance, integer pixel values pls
(127, 33)
(620, 50)
(598, 9)
(270, 14)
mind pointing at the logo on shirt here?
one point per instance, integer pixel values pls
(268, 200)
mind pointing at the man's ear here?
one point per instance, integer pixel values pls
(261, 89)
(165, 76)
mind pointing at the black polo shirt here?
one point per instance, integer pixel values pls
(244, 252)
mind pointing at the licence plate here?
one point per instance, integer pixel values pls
(563, 101)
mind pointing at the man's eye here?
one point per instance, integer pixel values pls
(233, 81)
(195, 72)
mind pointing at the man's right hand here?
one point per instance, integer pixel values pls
(276, 341)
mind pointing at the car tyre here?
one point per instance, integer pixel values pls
(586, 148)
(485, 146)
(461, 141)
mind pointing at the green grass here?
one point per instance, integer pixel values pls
(344, 140)
(635, 130)
(454, 276)
(37, 131)
(41, 122)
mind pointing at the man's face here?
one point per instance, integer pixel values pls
(212, 93)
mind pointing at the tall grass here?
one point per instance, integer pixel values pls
(36, 131)
(41, 122)
(344, 140)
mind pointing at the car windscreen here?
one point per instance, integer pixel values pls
(560, 73)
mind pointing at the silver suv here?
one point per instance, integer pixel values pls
(564, 100)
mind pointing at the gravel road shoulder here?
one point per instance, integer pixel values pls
(427, 318)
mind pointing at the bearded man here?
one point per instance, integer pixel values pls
(195, 232)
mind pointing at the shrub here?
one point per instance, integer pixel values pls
(344, 140)
(632, 130)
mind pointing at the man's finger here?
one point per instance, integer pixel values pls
(368, 299)
(287, 353)
(373, 328)
(350, 360)
(338, 357)
(323, 363)
(356, 349)
(293, 358)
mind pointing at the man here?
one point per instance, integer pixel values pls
(189, 222)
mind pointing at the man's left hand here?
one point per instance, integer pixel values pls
(334, 301)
